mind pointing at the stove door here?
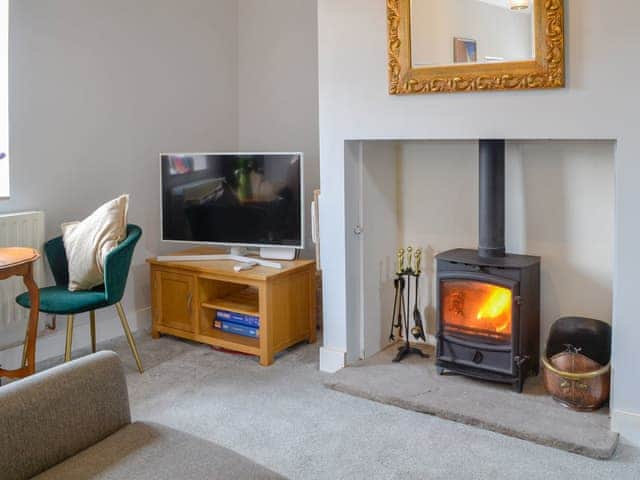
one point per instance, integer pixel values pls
(477, 307)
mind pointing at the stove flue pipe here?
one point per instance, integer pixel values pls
(492, 192)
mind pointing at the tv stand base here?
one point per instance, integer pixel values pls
(278, 253)
(206, 258)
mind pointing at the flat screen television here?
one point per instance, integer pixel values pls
(233, 199)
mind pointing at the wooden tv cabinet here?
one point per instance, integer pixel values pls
(186, 295)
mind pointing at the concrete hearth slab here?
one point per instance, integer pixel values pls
(532, 415)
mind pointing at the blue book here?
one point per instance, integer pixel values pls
(238, 318)
(237, 329)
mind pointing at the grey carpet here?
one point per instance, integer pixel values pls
(284, 418)
(533, 415)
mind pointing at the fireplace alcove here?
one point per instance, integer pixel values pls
(560, 206)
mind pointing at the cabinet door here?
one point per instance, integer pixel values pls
(177, 301)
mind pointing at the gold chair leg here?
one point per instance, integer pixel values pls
(24, 348)
(92, 325)
(67, 348)
(127, 332)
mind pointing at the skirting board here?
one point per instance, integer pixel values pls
(627, 424)
(52, 344)
(332, 360)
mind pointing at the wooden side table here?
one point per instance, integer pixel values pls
(19, 262)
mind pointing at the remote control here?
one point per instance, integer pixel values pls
(243, 266)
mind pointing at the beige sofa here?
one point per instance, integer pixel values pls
(73, 422)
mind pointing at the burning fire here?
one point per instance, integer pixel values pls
(494, 308)
(477, 308)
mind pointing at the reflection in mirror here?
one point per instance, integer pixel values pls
(444, 32)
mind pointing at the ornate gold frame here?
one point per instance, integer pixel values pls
(545, 71)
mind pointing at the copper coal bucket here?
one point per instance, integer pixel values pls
(577, 367)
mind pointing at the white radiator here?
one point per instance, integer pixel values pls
(25, 229)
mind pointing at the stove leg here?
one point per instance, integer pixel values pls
(440, 370)
(517, 386)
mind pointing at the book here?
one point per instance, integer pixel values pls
(238, 318)
(236, 329)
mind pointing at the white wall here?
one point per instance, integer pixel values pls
(98, 88)
(498, 32)
(4, 98)
(380, 215)
(278, 83)
(600, 102)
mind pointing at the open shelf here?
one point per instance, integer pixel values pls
(235, 298)
(231, 341)
(243, 301)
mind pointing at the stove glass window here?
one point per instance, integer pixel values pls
(476, 309)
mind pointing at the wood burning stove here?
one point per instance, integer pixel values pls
(488, 315)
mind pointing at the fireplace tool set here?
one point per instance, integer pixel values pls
(408, 272)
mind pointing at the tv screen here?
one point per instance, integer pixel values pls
(241, 199)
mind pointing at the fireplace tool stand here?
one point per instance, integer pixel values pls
(405, 274)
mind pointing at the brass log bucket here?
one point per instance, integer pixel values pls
(577, 369)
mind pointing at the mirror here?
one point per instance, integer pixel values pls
(469, 45)
(470, 31)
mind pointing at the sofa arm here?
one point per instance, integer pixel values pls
(51, 416)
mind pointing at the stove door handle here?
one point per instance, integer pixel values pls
(478, 357)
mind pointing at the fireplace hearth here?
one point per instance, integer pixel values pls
(488, 313)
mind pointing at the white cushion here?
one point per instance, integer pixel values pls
(88, 242)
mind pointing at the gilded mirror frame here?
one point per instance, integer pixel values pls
(546, 70)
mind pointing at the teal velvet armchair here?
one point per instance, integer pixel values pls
(58, 300)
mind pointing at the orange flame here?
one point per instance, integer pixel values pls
(477, 308)
(498, 303)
